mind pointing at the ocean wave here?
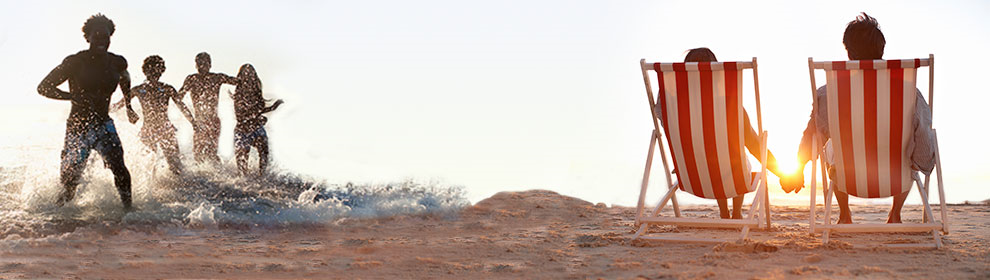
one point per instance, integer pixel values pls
(204, 196)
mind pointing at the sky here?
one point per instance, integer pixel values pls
(492, 95)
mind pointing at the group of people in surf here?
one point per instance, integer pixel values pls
(94, 74)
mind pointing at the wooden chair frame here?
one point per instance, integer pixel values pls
(928, 220)
(758, 214)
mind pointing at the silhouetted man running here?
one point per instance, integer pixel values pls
(204, 88)
(93, 76)
(158, 133)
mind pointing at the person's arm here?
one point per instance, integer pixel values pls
(753, 141)
(125, 88)
(117, 105)
(814, 130)
(923, 152)
(273, 107)
(49, 85)
(227, 79)
(177, 98)
(795, 182)
(185, 86)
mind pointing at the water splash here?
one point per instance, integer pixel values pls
(205, 197)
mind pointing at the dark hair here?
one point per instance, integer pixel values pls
(97, 21)
(203, 56)
(248, 78)
(863, 38)
(700, 55)
(153, 62)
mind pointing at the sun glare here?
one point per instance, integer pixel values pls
(788, 167)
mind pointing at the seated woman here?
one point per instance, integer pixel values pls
(752, 141)
(249, 106)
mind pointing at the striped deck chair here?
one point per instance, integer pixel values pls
(701, 112)
(871, 105)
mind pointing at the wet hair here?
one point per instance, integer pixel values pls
(863, 38)
(97, 21)
(203, 56)
(700, 55)
(248, 78)
(153, 62)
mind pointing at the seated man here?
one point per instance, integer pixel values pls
(752, 141)
(864, 41)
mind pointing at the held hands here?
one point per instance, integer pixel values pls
(793, 182)
(116, 106)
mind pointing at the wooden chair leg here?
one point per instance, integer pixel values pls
(814, 186)
(825, 182)
(754, 209)
(928, 179)
(646, 177)
(941, 189)
(656, 212)
(763, 172)
(928, 213)
(828, 213)
(641, 231)
(766, 205)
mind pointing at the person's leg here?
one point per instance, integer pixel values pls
(845, 215)
(199, 142)
(242, 150)
(211, 153)
(148, 138)
(113, 156)
(170, 146)
(737, 203)
(894, 217)
(261, 143)
(723, 208)
(74, 156)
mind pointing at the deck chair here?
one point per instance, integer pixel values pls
(871, 106)
(700, 107)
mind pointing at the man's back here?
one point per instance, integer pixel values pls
(205, 92)
(921, 145)
(154, 97)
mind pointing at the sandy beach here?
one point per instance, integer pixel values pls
(522, 235)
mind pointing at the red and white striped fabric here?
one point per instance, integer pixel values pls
(871, 107)
(702, 115)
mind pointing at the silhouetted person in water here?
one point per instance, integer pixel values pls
(93, 76)
(158, 133)
(204, 88)
(249, 106)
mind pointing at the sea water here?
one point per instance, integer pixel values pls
(204, 196)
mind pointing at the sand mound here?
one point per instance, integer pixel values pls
(534, 204)
(745, 247)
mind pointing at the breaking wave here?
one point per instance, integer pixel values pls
(203, 197)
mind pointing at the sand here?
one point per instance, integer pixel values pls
(516, 235)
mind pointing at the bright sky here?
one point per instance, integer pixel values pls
(494, 95)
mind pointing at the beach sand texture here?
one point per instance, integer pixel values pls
(511, 235)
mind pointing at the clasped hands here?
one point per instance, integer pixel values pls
(793, 182)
